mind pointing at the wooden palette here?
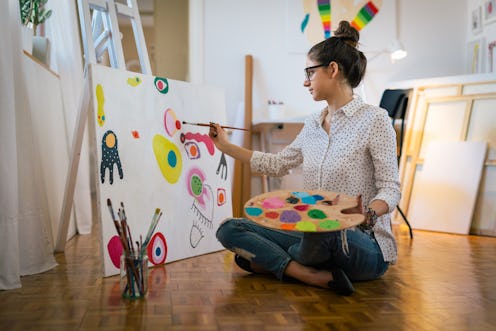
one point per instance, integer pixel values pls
(303, 211)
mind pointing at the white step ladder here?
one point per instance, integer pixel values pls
(99, 33)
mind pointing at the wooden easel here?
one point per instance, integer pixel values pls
(242, 172)
(100, 33)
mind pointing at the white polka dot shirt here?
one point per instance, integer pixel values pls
(358, 156)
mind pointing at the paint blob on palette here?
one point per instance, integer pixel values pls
(303, 211)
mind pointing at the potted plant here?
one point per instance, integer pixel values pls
(34, 13)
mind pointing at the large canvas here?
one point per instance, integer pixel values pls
(445, 191)
(147, 158)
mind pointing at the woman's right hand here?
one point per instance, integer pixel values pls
(218, 136)
(221, 140)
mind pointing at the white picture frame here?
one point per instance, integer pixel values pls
(491, 49)
(476, 21)
(475, 56)
(489, 12)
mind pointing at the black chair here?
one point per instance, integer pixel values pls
(396, 102)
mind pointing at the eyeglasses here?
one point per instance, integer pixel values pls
(310, 71)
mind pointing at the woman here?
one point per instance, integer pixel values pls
(348, 147)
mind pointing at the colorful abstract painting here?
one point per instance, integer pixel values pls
(147, 159)
(311, 21)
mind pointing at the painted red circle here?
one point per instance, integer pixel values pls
(157, 249)
(272, 214)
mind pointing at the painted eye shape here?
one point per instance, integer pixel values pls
(221, 196)
(157, 249)
(171, 123)
(161, 84)
(192, 150)
(195, 179)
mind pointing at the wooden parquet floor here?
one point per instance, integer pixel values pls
(441, 282)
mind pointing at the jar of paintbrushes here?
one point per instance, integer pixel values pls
(134, 258)
(134, 274)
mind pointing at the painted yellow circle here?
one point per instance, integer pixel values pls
(168, 157)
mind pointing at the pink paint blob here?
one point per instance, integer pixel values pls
(114, 248)
(195, 171)
(273, 203)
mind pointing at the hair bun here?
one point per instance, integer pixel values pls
(347, 33)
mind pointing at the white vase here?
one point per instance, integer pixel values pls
(27, 39)
(41, 49)
(277, 111)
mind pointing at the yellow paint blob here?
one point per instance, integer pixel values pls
(134, 81)
(306, 226)
(100, 99)
(168, 157)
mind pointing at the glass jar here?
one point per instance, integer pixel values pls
(134, 275)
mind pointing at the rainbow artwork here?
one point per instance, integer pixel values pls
(364, 15)
(325, 16)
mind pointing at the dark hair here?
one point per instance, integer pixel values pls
(342, 49)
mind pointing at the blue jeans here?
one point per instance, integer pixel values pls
(354, 251)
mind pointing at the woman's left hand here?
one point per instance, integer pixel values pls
(358, 209)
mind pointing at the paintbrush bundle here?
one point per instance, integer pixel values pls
(134, 259)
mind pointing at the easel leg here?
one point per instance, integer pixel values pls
(75, 155)
(406, 221)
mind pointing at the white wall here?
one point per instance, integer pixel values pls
(434, 33)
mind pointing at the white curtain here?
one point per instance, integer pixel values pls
(62, 30)
(25, 235)
(26, 245)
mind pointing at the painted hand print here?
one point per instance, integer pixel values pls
(110, 157)
(222, 167)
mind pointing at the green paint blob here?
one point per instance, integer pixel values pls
(329, 224)
(316, 213)
(306, 226)
(196, 185)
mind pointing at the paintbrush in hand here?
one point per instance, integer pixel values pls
(210, 124)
